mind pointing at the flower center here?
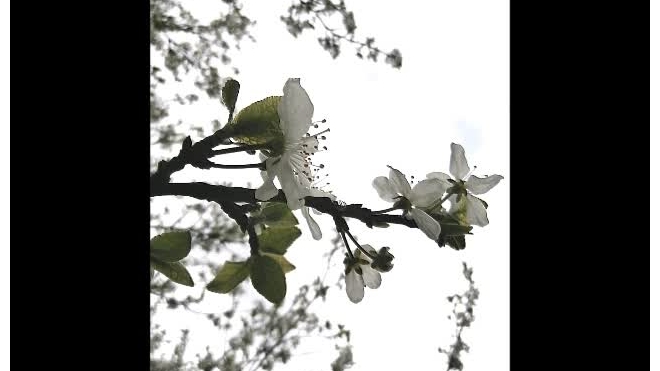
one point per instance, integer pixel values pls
(469, 173)
(301, 157)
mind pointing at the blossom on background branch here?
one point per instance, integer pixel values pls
(463, 314)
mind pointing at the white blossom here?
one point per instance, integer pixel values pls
(467, 184)
(423, 195)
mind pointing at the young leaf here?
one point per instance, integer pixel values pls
(275, 214)
(171, 246)
(277, 240)
(230, 93)
(229, 276)
(455, 242)
(281, 260)
(455, 229)
(174, 271)
(259, 123)
(268, 278)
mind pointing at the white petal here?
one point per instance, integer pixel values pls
(399, 182)
(458, 165)
(315, 192)
(370, 276)
(476, 212)
(369, 249)
(428, 225)
(268, 189)
(455, 206)
(354, 286)
(313, 227)
(440, 176)
(384, 188)
(290, 185)
(479, 186)
(428, 191)
(295, 111)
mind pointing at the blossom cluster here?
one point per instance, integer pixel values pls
(422, 203)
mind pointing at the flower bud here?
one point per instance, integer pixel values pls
(383, 261)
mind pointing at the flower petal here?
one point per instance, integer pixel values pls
(455, 206)
(458, 165)
(428, 191)
(268, 189)
(438, 175)
(441, 177)
(290, 185)
(315, 192)
(479, 186)
(371, 277)
(476, 212)
(428, 225)
(370, 249)
(313, 227)
(354, 286)
(384, 188)
(399, 182)
(295, 111)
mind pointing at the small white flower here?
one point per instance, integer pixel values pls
(313, 226)
(424, 194)
(458, 167)
(268, 191)
(360, 274)
(295, 111)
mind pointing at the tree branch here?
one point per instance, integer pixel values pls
(223, 195)
(190, 154)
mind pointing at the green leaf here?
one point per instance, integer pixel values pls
(281, 260)
(455, 229)
(455, 242)
(276, 214)
(451, 226)
(230, 94)
(174, 271)
(171, 246)
(229, 276)
(259, 123)
(278, 240)
(268, 278)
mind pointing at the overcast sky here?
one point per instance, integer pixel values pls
(453, 87)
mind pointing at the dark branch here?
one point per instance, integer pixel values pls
(223, 194)
(260, 165)
(242, 148)
(191, 154)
